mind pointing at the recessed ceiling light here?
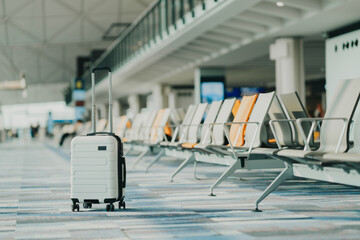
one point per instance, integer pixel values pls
(280, 4)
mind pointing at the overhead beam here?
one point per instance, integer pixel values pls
(218, 37)
(240, 24)
(43, 19)
(308, 5)
(207, 43)
(255, 17)
(196, 48)
(235, 33)
(273, 10)
(196, 54)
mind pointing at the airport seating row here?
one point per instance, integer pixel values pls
(69, 131)
(263, 131)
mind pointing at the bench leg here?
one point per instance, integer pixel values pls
(195, 172)
(286, 174)
(226, 174)
(140, 157)
(182, 165)
(156, 159)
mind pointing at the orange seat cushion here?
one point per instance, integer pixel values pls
(188, 145)
(237, 131)
(235, 107)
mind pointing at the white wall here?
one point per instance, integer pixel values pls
(23, 115)
(343, 63)
(36, 93)
(181, 98)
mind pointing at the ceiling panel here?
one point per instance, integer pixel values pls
(43, 38)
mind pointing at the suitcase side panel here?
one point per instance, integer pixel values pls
(94, 168)
(121, 169)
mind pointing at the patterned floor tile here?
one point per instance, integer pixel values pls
(35, 203)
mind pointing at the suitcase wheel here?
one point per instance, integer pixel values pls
(122, 204)
(75, 207)
(87, 205)
(110, 207)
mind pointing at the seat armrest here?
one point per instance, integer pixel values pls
(227, 134)
(271, 123)
(313, 121)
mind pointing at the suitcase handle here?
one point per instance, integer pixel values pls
(100, 68)
(100, 133)
(93, 106)
(124, 163)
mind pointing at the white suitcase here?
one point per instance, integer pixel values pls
(98, 170)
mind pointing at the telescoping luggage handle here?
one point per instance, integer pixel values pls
(93, 108)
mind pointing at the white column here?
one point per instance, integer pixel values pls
(288, 54)
(159, 97)
(172, 100)
(197, 83)
(134, 103)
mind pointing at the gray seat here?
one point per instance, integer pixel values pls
(217, 132)
(217, 136)
(332, 139)
(294, 110)
(333, 143)
(205, 135)
(352, 156)
(267, 107)
(181, 130)
(190, 131)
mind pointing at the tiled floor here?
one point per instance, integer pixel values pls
(35, 203)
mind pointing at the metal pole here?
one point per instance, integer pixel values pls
(93, 107)
(110, 104)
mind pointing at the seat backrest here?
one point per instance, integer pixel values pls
(258, 114)
(156, 123)
(121, 126)
(150, 120)
(135, 127)
(282, 129)
(356, 131)
(294, 108)
(157, 130)
(237, 132)
(192, 136)
(343, 105)
(116, 121)
(101, 124)
(210, 118)
(222, 117)
(177, 115)
(85, 129)
(235, 107)
(183, 131)
(145, 126)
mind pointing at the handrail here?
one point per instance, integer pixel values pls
(150, 26)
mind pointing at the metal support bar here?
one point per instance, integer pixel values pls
(188, 160)
(140, 157)
(195, 167)
(93, 107)
(156, 159)
(286, 174)
(226, 174)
